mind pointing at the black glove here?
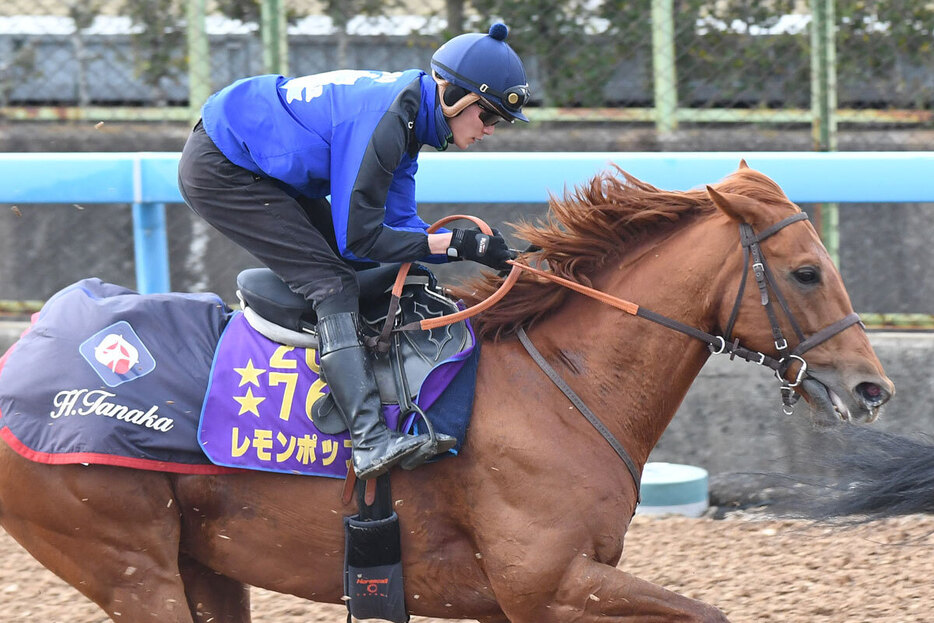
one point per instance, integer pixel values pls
(474, 245)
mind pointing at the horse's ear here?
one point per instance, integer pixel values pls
(738, 207)
(742, 164)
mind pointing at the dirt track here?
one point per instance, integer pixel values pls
(755, 570)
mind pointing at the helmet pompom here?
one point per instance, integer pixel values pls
(499, 31)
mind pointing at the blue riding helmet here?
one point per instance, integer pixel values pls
(487, 66)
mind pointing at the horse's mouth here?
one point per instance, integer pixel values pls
(828, 403)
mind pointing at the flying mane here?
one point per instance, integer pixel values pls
(596, 223)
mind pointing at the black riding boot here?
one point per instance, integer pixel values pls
(349, 374)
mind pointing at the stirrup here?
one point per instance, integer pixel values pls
(383, 464)
(436, 444)
(431, 448)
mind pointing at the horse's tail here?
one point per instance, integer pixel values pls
(875, 475)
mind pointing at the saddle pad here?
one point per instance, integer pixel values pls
(257, 412)
(106, 375)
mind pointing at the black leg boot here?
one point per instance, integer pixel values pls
(349, 374)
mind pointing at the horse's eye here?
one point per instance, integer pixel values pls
(807, 275)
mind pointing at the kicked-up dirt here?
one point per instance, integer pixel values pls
(756, 570)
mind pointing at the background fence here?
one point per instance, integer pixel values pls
(667, 61)
(611, 75)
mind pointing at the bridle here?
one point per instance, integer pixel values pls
(717, 344)
(765, 281)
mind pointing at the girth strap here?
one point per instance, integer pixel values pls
(583, 408)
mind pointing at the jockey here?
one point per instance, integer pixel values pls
(269, 150)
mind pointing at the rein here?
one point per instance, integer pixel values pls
(717, 344)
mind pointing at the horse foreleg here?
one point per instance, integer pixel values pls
(214, 597)
(592, 592)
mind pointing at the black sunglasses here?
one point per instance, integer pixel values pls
(488, 116)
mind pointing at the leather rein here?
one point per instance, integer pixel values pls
(718, 344)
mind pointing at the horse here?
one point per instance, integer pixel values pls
(527, 523)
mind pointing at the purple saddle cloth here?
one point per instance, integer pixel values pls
(257, 411)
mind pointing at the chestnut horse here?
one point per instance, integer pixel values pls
(527, 524)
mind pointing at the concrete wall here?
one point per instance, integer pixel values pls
(731, 420)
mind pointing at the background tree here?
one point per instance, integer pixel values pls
(569, 45)
(82, 13)
(158, 39)
(885, 48)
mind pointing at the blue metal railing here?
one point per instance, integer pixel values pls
(148, 181)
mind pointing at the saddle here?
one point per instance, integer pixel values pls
(283, 316)
(373, 578)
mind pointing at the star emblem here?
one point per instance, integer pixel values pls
(249, 374)
(249, 403)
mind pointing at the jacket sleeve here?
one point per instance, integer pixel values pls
(373, 191)
(401, 209)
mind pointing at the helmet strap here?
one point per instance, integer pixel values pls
(443, 129)
(456, 108)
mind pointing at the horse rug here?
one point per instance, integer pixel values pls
(181, 383)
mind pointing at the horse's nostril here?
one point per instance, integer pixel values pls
(872, 394)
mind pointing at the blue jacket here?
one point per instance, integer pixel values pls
(353, 135)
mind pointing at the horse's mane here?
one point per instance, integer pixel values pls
(595, 223)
